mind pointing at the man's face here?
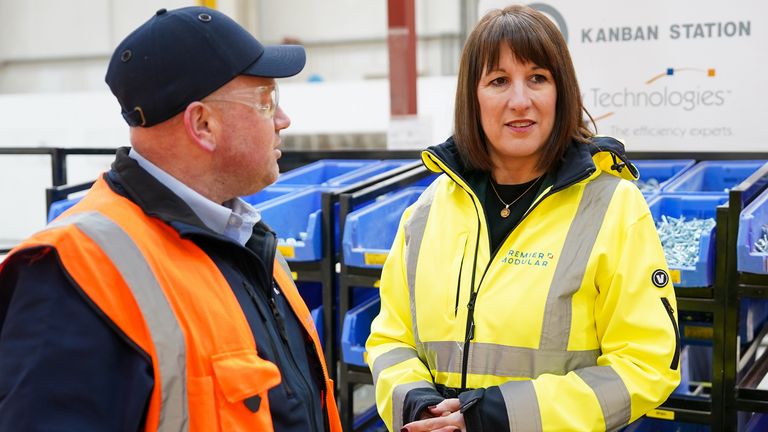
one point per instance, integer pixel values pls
(247, 145)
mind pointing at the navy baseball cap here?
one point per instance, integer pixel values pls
(183, 55)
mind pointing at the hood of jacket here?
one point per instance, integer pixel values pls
(579, 162)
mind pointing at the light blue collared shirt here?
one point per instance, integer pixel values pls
(234, 219)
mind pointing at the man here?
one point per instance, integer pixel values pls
(158, 302)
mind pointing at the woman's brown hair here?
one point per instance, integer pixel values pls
(534, 38)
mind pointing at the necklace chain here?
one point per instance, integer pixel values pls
(505, 211)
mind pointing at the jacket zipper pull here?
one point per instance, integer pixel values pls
(279, 318)
(471, 317)
(471, 330)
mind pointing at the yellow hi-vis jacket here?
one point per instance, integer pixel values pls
(569, 326)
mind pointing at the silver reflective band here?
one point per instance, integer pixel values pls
(164, 329)
(522, 406)
(611, 392)
(505, 361)
(391, 358)
(283, 263)
(414, 233)
(572, 265)
(398, 400)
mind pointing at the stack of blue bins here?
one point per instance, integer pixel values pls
(752, 220)
(663, 171)
(292, 207)
(368, 236)
(695, 194)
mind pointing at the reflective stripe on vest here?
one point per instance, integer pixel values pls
(164, 329)
(522, 406)
(398, 400)
(414, 234)
(503, 360)
(206, 385)
(552, 355)
(611, 393)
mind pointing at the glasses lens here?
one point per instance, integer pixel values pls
(266, 99)
(261, 98)
(274, 97)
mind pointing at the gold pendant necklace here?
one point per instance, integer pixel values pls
(504, 213)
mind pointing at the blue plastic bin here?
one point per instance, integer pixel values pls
(647, 424)
(355, 331)
(368, 172)
(59, 207)
(751, 222)
(366, 418)
(664, 171)
(323, 172)
(297, 220)
(696, 326)
(712, 177)
(370, 231)
(695, 368)
(691, 206)
(753, 422)
(317, 318)
(272, 192)
(296, 216)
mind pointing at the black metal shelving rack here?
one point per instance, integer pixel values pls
(709, 300)
(324, 271)
(349, 277)
(742, 370)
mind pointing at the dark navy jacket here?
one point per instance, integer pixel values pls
(65, 366)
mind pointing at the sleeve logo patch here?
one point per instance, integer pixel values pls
(660, 278)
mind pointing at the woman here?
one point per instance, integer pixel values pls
(527, 288)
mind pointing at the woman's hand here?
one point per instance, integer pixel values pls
(445, 417)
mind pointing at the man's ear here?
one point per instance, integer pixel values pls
(199, 123)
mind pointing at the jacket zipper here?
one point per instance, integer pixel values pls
(258, 302)
(671, 312)
(271, 244)
(458, 284)
(283, 334)
(469, 332)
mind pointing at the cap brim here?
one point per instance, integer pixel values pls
(278, 61)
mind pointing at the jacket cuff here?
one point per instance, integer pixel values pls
(484, 410)
(417, 400)
(469, 401)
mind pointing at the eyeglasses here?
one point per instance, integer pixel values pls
(261, 98)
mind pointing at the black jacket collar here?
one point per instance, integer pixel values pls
(130, 180)
(577, 163)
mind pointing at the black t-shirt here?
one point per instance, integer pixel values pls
(522, 194)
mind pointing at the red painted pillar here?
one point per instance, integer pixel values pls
(402, 56)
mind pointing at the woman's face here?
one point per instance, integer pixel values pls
(517, 110)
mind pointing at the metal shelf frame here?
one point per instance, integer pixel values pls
(741, 370)
(350, 277)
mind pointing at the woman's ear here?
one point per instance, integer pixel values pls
(199, 123)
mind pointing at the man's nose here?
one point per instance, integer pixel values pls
(281, 119)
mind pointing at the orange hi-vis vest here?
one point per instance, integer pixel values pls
(171, 300)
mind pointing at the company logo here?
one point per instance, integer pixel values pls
(658, 95)
(527, 258)
(672, 71)
(554, 15)
(660, 278)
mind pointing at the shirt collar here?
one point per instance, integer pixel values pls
(234, 219)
